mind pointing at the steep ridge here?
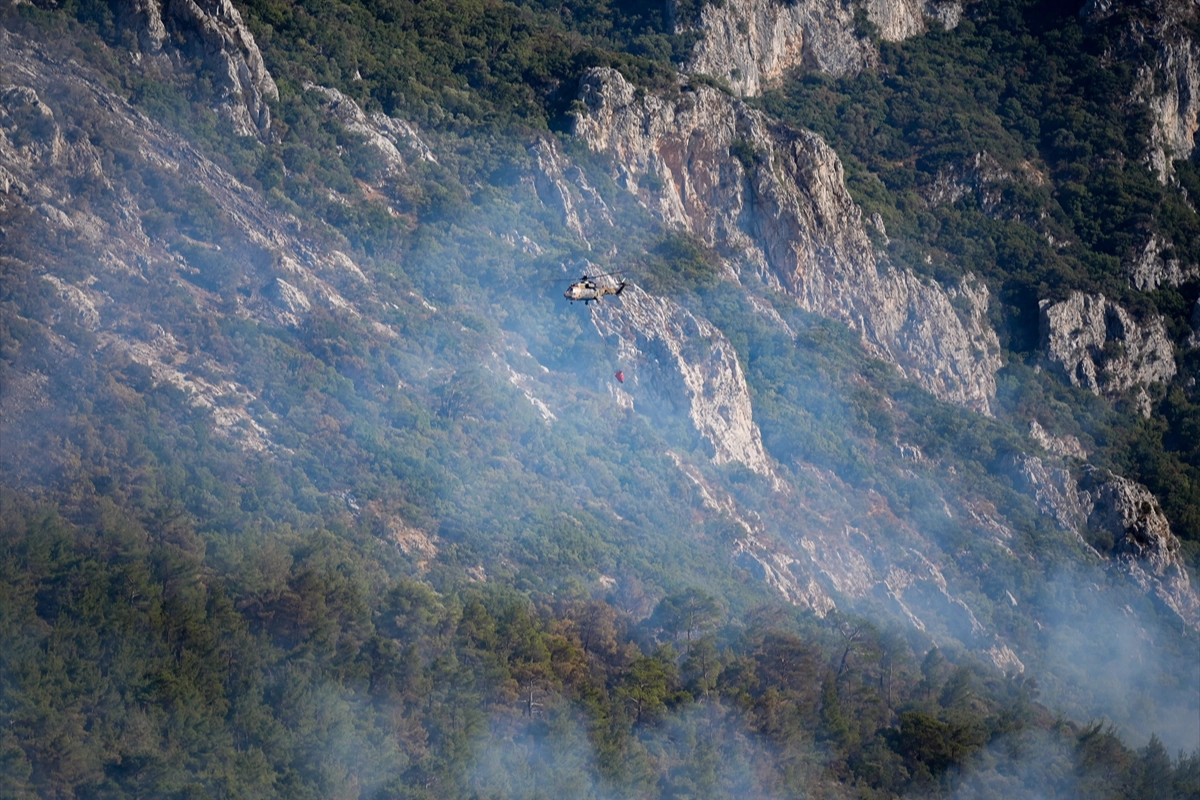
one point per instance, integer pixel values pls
(1142, 543)
(1122, 518)
(384, 133)
(213, 32)
(773, 200)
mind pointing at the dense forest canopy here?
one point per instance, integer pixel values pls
(422, 588)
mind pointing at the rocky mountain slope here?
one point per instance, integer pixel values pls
(59, 195)
(213, 33)
(772, 201)
(783, 217)
(897, 478)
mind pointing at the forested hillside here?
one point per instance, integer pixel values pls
(315, 486)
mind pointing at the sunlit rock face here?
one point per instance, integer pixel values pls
(1098, 345)
(1051, 487)
(678, 361)
(1142, 542)
(752, 43)
(773, 200)
(382, 132)
(213, 31)
(1149, 269)
(562, 186)
(1169, 79)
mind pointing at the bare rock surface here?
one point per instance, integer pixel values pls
(980, 175)
(57, 183)
(386, 134)
(1150, 269)
(785, 215)
(675, 359)
(1098, 345)
(1142, 542)
(1061, 446)
(752, 43)
(1168, 81)
(562, 186)
(1052, 488)
(214, 32)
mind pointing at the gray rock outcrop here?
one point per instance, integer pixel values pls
(773, 200)
(382, 132)
(1052, 488)
(1061, 446)
(676, 360)
(563, 187)
(752, 43)
(980, 174)
(214, 32)
(1121, 517)
(1149, 269)
(1168, 84)
(1142, 542)
(144, 17)
(1098, 345)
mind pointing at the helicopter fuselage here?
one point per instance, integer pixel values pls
(588, 290)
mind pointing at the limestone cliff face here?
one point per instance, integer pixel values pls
(674, 359)
(1061, 446)
(1169, 81)
(384, 133)
(213, 31)
(1149, 269)
(562, 186)
(752, 43)
(1052, 488)
(774, 201)
(1098, 345)
(1142, 542)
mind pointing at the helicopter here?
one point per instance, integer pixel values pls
(587, 288)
